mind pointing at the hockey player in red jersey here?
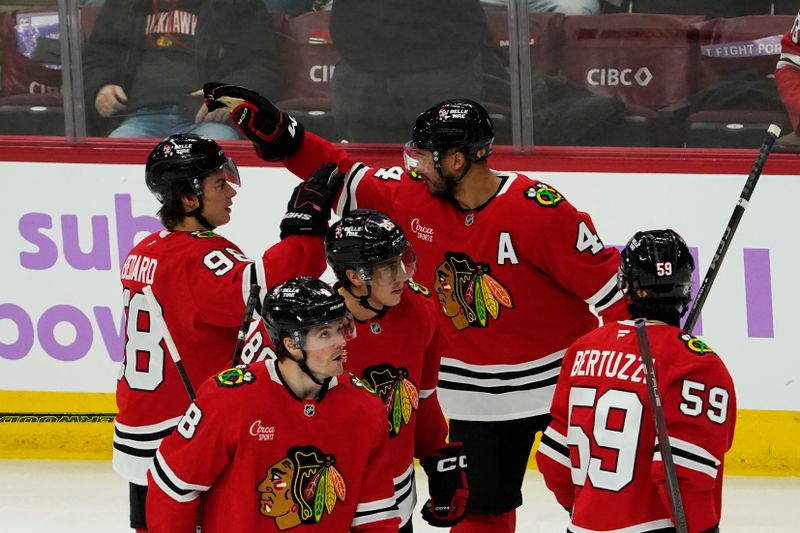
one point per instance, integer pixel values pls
(787, 78)
(201, 282)
(396, 355)
(288, 444)
(599, 455)
(514, 267)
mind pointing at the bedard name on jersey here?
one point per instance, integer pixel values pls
(181, 267)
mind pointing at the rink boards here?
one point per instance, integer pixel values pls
(68, 226)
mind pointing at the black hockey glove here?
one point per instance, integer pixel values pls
(275, 135)
(447, 484)
(310, 205)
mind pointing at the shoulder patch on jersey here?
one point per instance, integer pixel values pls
(360, 383)
(695, 345)
(233, 377)
(203, 234)
(418, 288)
(413, 174)
(544, 195)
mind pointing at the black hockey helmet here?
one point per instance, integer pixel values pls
(365, 238)
(462, 124)
(185, 157)
(656, 266)
(295, 306)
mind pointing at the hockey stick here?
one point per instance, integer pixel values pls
(252, 302)
(51, 418)
(772, 133)
(157, 319)
(661, 427)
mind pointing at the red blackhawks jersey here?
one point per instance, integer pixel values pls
(514, 280)
(787, 73)
(396, 356)
(201, 282)
(600, 455)
(264, 460)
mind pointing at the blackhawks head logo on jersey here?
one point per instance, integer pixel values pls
(301, 487)
(400, 396)
(468, 294)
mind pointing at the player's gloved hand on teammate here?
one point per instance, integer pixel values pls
(275, 135)
(447, 484)
(309, 208)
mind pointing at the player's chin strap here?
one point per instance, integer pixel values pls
(199, 217)
(363, 301)
(304, 367)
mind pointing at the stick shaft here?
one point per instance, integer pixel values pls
(730, 229)
(157, 320)
(661, 428)
(252, 302)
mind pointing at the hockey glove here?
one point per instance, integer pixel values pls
(447, 484)
(275, 135)
(310, 205)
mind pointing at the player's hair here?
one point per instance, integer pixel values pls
(172, 212)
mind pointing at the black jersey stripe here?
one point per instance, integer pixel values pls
(138, 452)
(162, 475)
(156, 435)
(387, 509)
(348, 197)
(612, 292)
(497, 389)
(680, 452)
(562, 449)
(510, 374)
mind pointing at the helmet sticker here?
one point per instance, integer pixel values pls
(544, 195)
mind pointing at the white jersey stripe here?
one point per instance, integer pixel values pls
(638, 528)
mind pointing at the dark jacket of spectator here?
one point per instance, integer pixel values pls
(235, 43)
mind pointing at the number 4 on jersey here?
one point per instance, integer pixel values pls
(587, 240)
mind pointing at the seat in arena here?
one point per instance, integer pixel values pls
(309, 61)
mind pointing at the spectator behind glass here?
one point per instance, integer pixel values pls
(146, 61)
(400, 56)
(568, 7)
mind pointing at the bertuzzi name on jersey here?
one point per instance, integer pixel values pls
(608, 363)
